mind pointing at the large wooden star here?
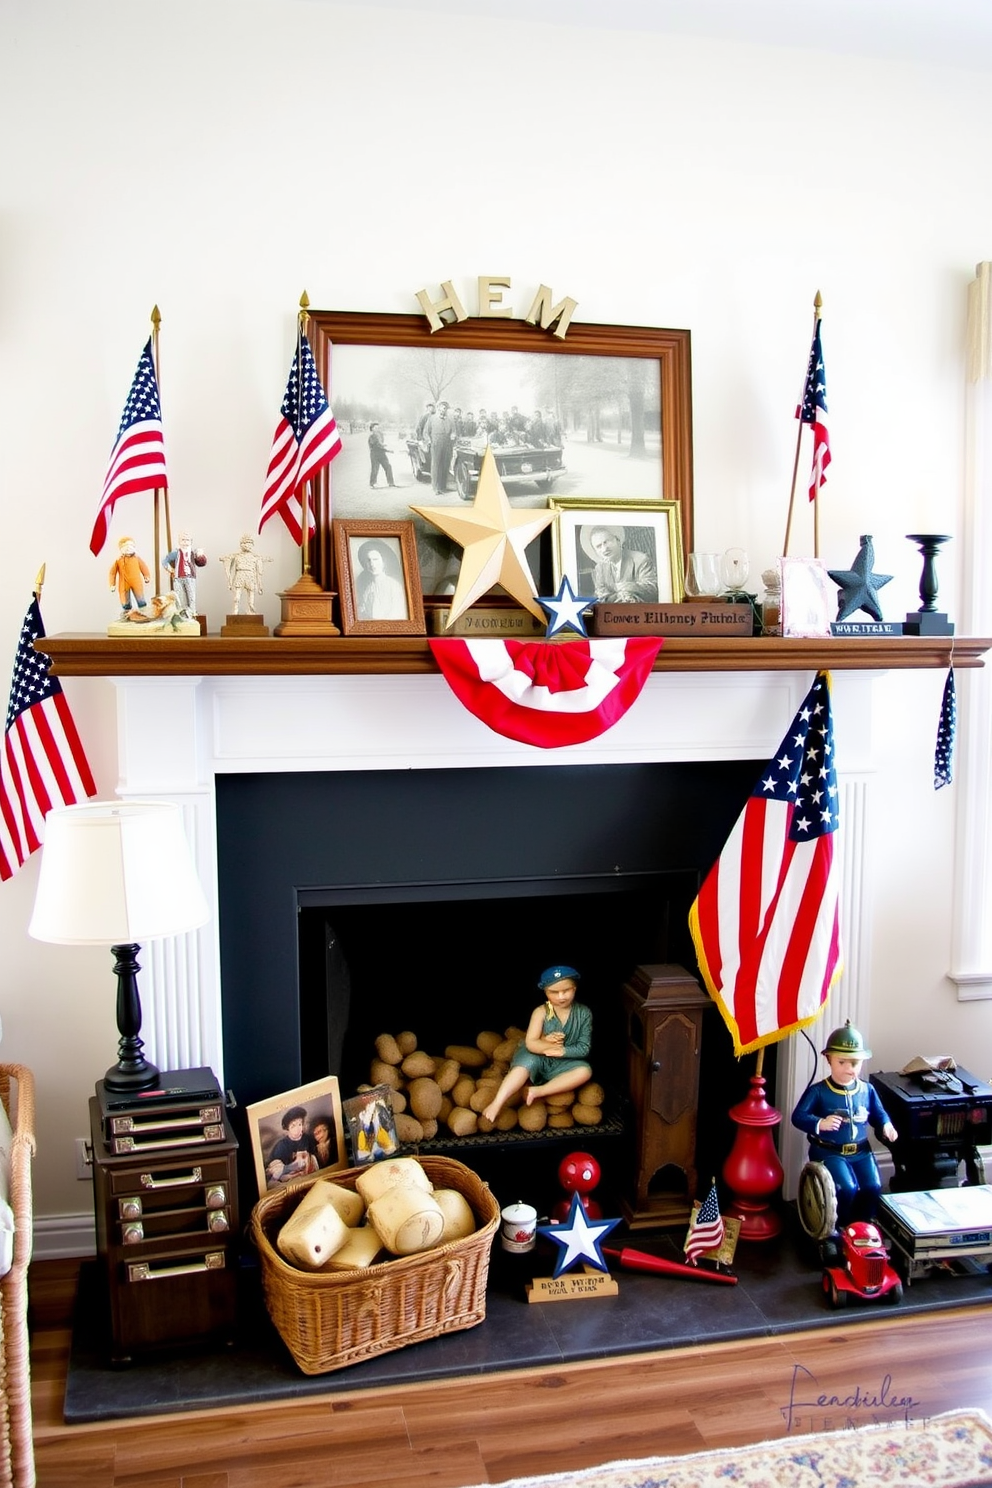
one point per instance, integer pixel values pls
(494, 539)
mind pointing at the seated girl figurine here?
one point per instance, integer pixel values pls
(836, 1114)
(553, 1056)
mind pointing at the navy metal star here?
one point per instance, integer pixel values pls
(565, 610)
(580, 1238)
(858, 585)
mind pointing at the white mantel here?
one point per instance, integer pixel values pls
(213, 725)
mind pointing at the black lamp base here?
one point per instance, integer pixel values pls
(132, 1072)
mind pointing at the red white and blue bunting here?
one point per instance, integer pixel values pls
(544, 693)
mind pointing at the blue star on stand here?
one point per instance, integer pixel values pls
(565, 610)
(859, 584)
(579, 1237)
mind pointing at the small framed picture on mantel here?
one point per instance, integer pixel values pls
(378, 578)
(807, 597)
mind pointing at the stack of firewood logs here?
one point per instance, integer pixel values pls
(451, 1090)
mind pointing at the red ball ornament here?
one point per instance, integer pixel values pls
(579, 1173)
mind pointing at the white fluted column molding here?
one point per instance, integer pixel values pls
(971, 924)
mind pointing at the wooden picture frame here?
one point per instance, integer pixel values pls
(646, 537)
(270, 1123)
(635, 396)
(378, 578)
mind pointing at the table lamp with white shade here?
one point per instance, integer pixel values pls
(118, 873)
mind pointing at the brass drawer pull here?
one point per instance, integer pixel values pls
(142, 1271)
(148, 1180)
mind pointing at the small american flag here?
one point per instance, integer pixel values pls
(137, 460)
(813, 411)
(306, 439)
(708, 1231)
(43, 762)
(765, 922)
(943, 760)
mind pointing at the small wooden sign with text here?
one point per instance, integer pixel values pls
(692, 619)
(479, 620)
(568, 1287)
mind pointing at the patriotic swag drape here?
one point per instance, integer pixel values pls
(765, 923)
(547, 693)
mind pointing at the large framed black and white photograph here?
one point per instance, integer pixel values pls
(605, 409)
(619, 552)
(378, 578)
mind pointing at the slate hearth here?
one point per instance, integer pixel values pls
(778, 1292)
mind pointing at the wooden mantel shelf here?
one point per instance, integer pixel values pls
(215, 656)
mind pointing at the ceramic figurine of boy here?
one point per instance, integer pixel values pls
(836, 1114)
(553, 1056)
(128, 575)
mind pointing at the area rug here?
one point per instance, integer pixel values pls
(948, 1451)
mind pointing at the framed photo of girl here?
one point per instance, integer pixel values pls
(299, 1132)
(378, 578)
(618, 551)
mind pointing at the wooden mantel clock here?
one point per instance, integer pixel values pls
(664, 1007)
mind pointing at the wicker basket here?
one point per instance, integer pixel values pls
(331, 1319)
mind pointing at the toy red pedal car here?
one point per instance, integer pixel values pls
(861, 1268)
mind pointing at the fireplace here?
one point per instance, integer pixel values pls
(432, 899)
(322, 747)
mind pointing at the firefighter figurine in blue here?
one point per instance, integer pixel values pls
(836, 1114)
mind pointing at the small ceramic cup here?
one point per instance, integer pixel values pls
(519, 1228)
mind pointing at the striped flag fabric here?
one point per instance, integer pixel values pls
(306, 439)
(765, 921)
(708, 1231)
(813, 411)
(43, 764)
(137, 460)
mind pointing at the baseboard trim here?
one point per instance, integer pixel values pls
(60, 1237)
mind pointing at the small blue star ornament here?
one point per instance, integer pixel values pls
(565, 610)
(579, 1237)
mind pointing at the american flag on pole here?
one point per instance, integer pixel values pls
(306, 439)
(708, 1231)
(813, 411)
(43, 762)
(765, 922)
(137, 460)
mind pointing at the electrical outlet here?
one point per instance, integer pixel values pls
(84, 1159)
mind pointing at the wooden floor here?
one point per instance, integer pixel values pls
(486, 1429)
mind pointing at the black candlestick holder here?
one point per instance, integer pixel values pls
(928, 620)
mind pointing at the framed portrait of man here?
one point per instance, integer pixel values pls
(617, 552)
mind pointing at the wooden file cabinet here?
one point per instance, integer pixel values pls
(167, 1231)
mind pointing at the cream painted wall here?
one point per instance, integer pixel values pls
(219, 157)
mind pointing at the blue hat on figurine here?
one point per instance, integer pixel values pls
(556, 974)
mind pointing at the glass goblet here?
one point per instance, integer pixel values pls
(702, 576)
(734, 569)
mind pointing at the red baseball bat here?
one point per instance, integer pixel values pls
(639, 1260)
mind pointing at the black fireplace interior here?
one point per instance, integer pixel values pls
(358, 903)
